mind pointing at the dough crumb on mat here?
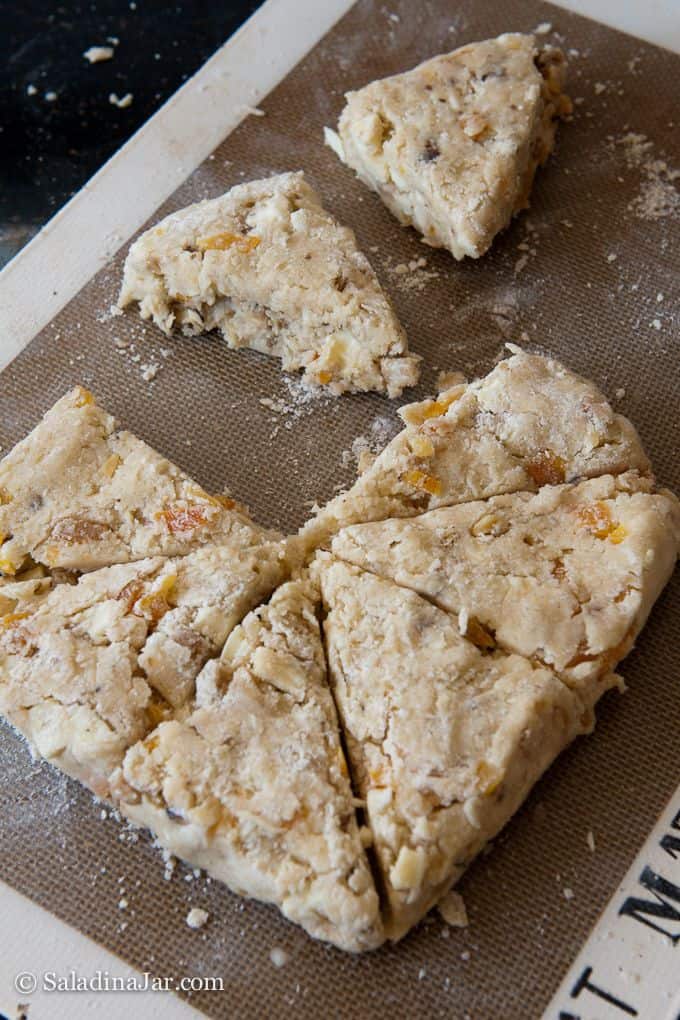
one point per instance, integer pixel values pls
(452, 910)
(197, 917)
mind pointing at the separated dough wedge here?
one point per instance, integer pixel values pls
(567, 577)
(79, 493)
(528, 423)
(444, 741)
(452, 146)
(272, 270)
(253, 786)
(88, 669)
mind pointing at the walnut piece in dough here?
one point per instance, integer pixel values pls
(272, 270)
(452, 146)
(79, 493)
(567, 576)
(253, 785)
(444, 741)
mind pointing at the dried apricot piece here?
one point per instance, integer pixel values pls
(82, 397)
(129, 594)
(489, 778)
(547, 469)
(424, 482)
(324, 377)
(11, 619)
(597, 518)
(156, 604)
(178, 518)
(226, 240)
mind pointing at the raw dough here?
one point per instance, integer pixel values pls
(253, 785)
(88, 669)
(79, 493)
(567, 577)
(444, 741)
(269, 267)
(452, 146)
(529, 422)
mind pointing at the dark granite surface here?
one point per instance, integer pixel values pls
(57, 123)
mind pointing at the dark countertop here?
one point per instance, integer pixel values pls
(57, 123)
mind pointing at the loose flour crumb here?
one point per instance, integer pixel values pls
(95, 54)
(590, 840)
(197, 917)
(150, 371)
(410, 277)
(279, 957)
(121, 103)
(568, 893)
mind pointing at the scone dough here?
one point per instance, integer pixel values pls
(253, 786)
(79, 493)
(272, 270)
(88, 669)
(452, 146)
(444, 740)
(566, 577)
(530, 422)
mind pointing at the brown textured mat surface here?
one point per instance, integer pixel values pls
(590, 275)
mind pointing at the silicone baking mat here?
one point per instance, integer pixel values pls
(589, 275)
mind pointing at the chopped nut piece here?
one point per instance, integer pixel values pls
(474, 126)
(478, 634)
(452, 910)
(76, 530)
(111, 464)
(408, 870)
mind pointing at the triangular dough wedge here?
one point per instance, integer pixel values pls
(567, 576)
(253, 786)
(528, 423)
(79, 493)
(88, 669)
(272, 270)
(444, 741)
(452, 146)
